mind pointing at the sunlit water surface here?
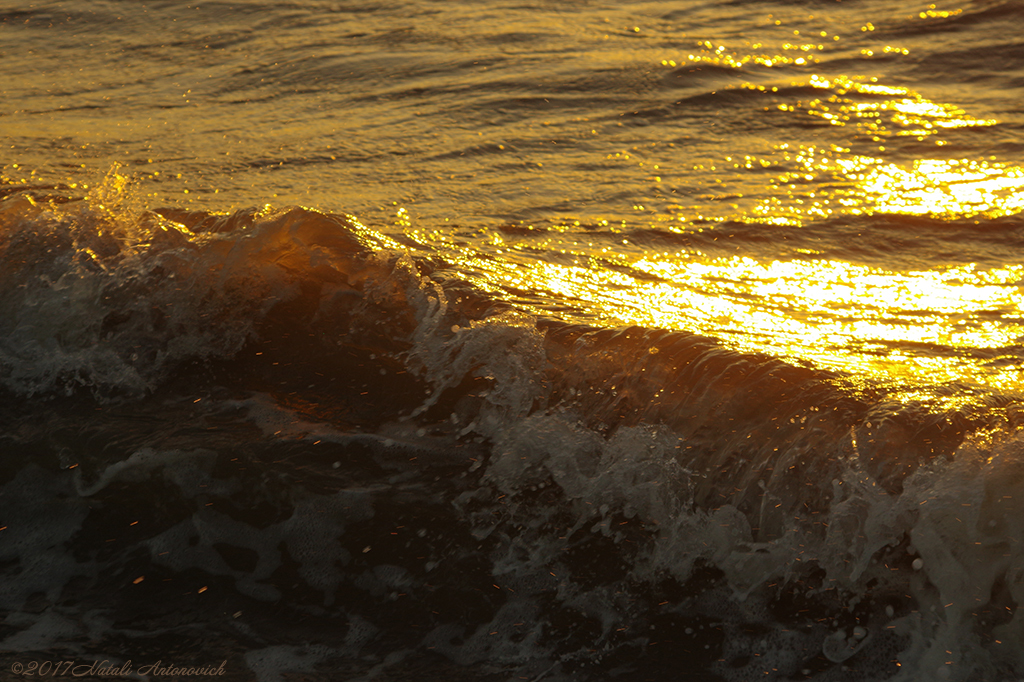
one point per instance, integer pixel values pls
(701, 320)
(822, 183)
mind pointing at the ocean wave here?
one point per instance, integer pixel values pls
(301, 396)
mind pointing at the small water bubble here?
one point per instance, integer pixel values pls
(918, 564)
(336, 465)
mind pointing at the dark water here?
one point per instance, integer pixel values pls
(423, 341)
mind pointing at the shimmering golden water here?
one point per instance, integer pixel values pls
(909, 329)
(864, 184)
(598, 127)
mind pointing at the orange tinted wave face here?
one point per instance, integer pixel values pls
(101, 300)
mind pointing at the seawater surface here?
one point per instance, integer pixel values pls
(498, 341)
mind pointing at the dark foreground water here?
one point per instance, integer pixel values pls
(486, 341)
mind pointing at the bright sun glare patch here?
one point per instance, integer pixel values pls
(842, 182)
(906, 329)
(945, 188)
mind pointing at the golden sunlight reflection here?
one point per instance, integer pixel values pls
(866, 185)
(951, 188)
(821, 181)
(884, 110)
(881, 152)
(906, 329)
(909, 330)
